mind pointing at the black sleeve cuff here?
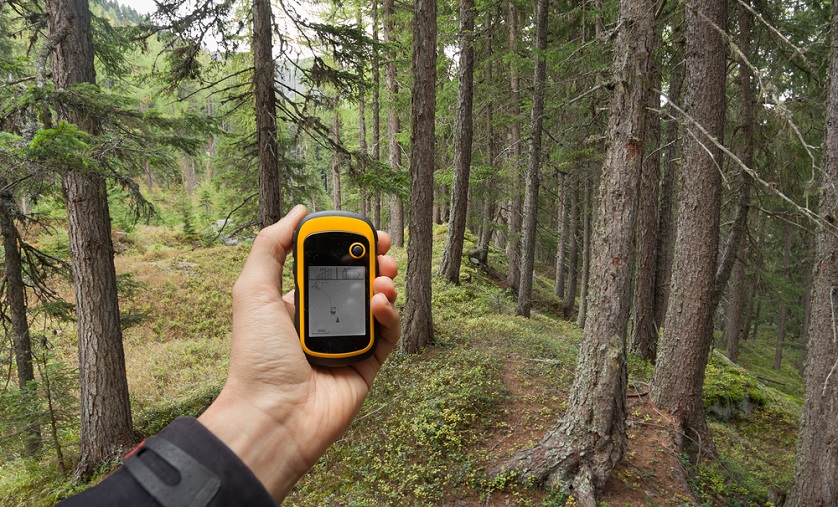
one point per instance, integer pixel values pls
(238, 484)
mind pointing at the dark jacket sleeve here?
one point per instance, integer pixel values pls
(187, 465)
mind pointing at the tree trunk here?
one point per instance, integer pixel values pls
(270, 163)
(562, 243)
(396, 227)
(376, 113)
(735, 307)
(590, 439)
(569, 296)
(105, 409)
(644, 338)
(740, 220)
(418, 328)
(336, 163)
(587, 211)
(513, 245)
(489, 199)
(362, 132)
(530, 218)
(463, 135)
(669, 165)
(685, 345)
(816, 468)
(16, 301)
(784, 310)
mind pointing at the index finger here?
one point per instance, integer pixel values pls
(384, 242)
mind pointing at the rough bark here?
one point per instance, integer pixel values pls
(376, 113)
(530, 217)
(590, 439)
(587, 211)
(669, 169)
(16, 301)
(513, 245)
(463, 136)
(747, 121)
(270, 169)
(418, 329)
(735, 307)
(784, 308)
(569, 296)
(685, 345)
(337, 198)
(563, 242)
(487, 227)
(362, 133)
(396, 227)
(644, 331)
(106, 429)
(816, 468)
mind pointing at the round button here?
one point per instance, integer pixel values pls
(357, 250)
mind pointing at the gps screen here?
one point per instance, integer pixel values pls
(336, 301)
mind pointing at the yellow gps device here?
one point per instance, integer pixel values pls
(334, 268)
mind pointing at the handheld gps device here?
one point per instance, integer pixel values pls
(334, 267)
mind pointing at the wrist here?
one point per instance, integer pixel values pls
(262, 443)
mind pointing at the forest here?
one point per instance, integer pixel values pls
(614, 222)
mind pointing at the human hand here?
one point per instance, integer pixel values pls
(278, 413)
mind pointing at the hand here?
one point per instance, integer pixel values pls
(276, 412)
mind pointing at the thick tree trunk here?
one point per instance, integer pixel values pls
(587, 211)
(685, 345)
(670, 169)
(530, 218)
(784, 309)
(362, 133)
(396, 227)
(644, 331)
(569, 296)
(563, 241)
(105, 409)
(816, 468)
(513, 245)
(418, 328)
(590, 439)
(270, 168)
(376, 113)
(463, 135)
(16, 301)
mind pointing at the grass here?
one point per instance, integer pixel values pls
(433, 423)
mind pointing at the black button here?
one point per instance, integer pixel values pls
(357, 250)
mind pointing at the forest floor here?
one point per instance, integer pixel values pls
(433, 423)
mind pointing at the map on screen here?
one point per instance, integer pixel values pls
(336, 301)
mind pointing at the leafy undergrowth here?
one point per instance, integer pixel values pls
(434, 423)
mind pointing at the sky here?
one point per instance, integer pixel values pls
(141, 6)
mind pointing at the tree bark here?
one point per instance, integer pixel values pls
(463, 136)
(418, 328)
(362, 132)
(16, 301)
(376, 113)
(337, 198)
(562, 243)
(396, 227)
(530, 217)
(747, 113)
(513, 245)
(685, 345)
(587, 211)
(106, 429)
(784, 309)
(569, 296)
(816, 468)
(644, 337)
(270, 163)
(735, 307)
(590, 439)
(670, 169)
